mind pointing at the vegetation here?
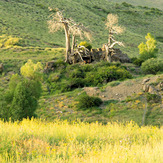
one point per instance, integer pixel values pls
(78, 76)
(114, 28)
(137, 61)
(61, 141)
(87, 102)
(8, 41)
(58, 21)
(64, 101)
(149, 49)
(33, 15)
(152, 66)
(86, 45)
(23, 93)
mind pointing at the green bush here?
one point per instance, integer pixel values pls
(153, 98)
(149, 49)
(86, 45)
(125, 4)
(152, 66)
(23, 99)
(23, 93)
(106, 74)
(87, 102)
(78, 76)
(137, 61)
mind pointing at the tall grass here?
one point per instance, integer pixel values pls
(59, 141)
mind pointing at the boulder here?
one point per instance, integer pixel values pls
(145, 81)
(117, 55)
(146, 87)
(160, 86)
(152, 90)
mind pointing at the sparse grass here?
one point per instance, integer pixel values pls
(61, 141)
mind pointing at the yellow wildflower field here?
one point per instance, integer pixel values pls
(78, 142)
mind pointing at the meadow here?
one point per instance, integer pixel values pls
(60, 141)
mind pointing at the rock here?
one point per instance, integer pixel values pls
(117, 55)
(146, 87)
(145, 81)
(1, 67)
(160, 85)
(152, 90)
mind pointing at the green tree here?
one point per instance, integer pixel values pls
(23, 93)
(31, 70)
(25, 98)
(149, 49)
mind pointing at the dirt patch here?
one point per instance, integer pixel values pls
(121, 91)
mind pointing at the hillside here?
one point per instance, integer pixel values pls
(27, 19)
(148, 3)
(117, 84)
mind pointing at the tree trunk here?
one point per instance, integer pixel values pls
(109, 39)
(107, 55)
(68, 48)
(73, 43)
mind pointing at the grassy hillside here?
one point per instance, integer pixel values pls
(79, 142)
(149, 3)
(27, 19)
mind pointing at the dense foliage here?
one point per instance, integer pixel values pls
(152, 66)
(149, 49)
(77, 76)
(23, 93)
(87, 102)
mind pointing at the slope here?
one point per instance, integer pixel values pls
(27, 19)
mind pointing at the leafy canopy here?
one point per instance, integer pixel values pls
(31, 70)
(149, 49)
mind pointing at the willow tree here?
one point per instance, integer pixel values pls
(58, 22)
(114, 28)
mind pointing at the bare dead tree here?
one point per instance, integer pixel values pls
(58, 22)
(114, 28)
(79, 30)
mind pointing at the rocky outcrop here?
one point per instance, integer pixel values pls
(116, 55)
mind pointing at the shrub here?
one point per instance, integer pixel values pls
(87, 102)
(86, 45)
(24, 92)
(153, 98)
(4, 110)
(23, 99)
(76, 73)
(54, 77)
(106, 74)
(127, 4)
(148, 50)
(137, 61)
(31, 70)
(152, 66)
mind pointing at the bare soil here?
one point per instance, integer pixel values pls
(121, 91)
